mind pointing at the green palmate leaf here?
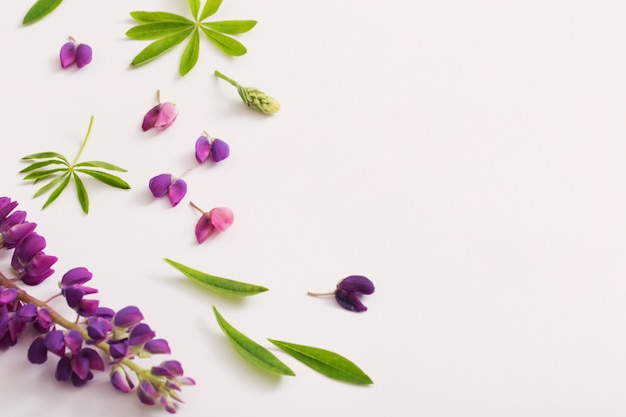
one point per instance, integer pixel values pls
(106, 178)
(252, 351)
(220, 285)
(83, 198)
(43, 174)
(147, 17)
(46, 155)
(210, 7)
(191, 53)
(57, 192)
(40, 9)
(159, 47)
(48, 186)
(232, 27)
(326, 362)
(194, 6)
(227, 44)
(100, 164)
(41, 164)
(157, 30)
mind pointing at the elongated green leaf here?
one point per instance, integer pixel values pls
(105, 177)
(41, 164)
(232, 27)
(159, 47)
(45, 155)
(83, 198)
(220, 285)
(326, 362)
(252, 351)
(194, 6)
(49, 186)
(40, 9)
(156, 30)
(43, 174)
(210, 7)
(227, 44)
(57, 192)
(191, 53)
(147, 17)
(100, 164)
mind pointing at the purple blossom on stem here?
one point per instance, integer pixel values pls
(214, 148)
(162, 184)
(348, 291)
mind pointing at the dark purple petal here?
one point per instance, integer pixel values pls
(95, 360)
(349, 301)
(27, 312)
(55, 342)
(204, 227)
(141, 334)
(79, 382)
(74, 341)
(83, 55)
(219, 150)
(121, 380)
(30, 246)
(98, 330)
(150, 118)
(147, 393)
(76, 276)
(127, 317)
(64, 369)
(357, 283)
(160, 184)
(203, 149)
(106, 313)
(87, 308)
(177, 191)
(67, 54)
(157, 346)
(73, 295)
(80, 365)
(37, 352)
(43, 322)
(6, 206)
(173, 367)
(119, 350)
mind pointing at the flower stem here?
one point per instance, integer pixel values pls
(320, 294)
(225, 78)
(82, 147)
(196, 207)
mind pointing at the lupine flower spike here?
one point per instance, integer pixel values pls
(348, 291)
(175, 188)
(72, 53)
(217, 219)
(252, 97)
(97, 338)
(160, 116)
(208, 147)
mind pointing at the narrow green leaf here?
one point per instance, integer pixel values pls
(57, 192)
(100, 164)
(326, 362)
(41, 164)
(43, 174)
(232, 27)
(194, 6)
(220, 285)
(252, 351)
(40, 9)
(210, 7)
(49, 186)
(159, 47)
(156, 30)
(147, 17)
(45, 155)
(227, 44)
(191, 53)
(83, 198)
(105, 177)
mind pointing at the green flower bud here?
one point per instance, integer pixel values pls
(252, 97)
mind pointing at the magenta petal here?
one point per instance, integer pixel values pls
(83, 55)
(204, 227)
(203, 149)
(30, 246)
(68, 54)
(157, 346)
(160, 184)
(120, 379)
(177, 191)
(166, 116)
(150, 118)
(219, 150)
(76, 276)
(222, 218)
(73, 341)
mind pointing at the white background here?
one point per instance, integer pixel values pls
(467, 156)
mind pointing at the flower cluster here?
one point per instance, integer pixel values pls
(97, 338)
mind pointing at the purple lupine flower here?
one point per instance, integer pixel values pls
(160, 116)
(43, 321)
(14, 228)
(214, 148)
(156, 346)
(217, 219)
(6, 207)
(175, 188)
(127, 317)
(30, 262)
(141, 334)
(348, 291)
(120, 379)
(72, 53)
(73, 289)
(119, 349)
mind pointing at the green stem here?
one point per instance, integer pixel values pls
(196, 207)
(82, 147)
(225, 78)
(320, 294)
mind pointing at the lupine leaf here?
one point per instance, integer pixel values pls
(227, 44)
(210, 7)
(43, 174)
(46, 155)
(194, 6)
(191, 53)
(220, 285)
(147, 17)
(40, 9)
(326, 362)
(100, 164)
(106, 178)
(156, 30)
(41, 164)
(48, 186)
(160, 47)
(252, 351)
(232, 27)
(58, 190)
(83, 198)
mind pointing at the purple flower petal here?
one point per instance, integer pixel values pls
(157, 346)
(120, 379)
(27, 312)
(203, 149)
(160, 184)
(73, 341)
(40, 264)
(127, 317)
(147, 392)
(67, 54)
(177, 191)
(73, 295)
(150, 118)
(37, 352)
(80, 366)
(119, 350)
(87, 308)
(30, 246)
(55, 342)
(98, 330)
(76, 276)
(95, 360)
(140, 334)
(83, 55)
(204, 227)
(6, 206)
(349, 301)
(64, 369)
(219, 150)
(357, 283)
(166, 117)
(7, 296)
(43, 322)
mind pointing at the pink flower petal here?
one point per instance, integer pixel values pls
(150, 118)
(203, 149)
(68, 54)
(177, 191)
(222, 218)
(166, 116)
(204, 227)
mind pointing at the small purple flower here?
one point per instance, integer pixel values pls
(141, 334)
(71, 53)
(348, 291)
(120, 379)
(214, 148)
(157, 346)
(127, 317)
(6, 207)
(72, 287)
(160, 116)
(217, 219)
(30, 261)
(162, 184)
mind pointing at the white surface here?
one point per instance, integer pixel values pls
(467, 156)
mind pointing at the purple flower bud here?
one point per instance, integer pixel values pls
(140, 334)
(119, 350)
(169, 369)
(98, 330)
(349, 301)
(76, 276)
(71, 53)
(28, 247)
(12, 235)
(55, 342)
(121, 380)
(348, 291)
(73, 341)
(219, 150)
(38, 269)
(203, 149)
(87, 308)
(127, 317)
(37, 352)
(73, 296)
(157, 346)
(68, 54)
(219, 218)
(105, 313)
(163, 184)
(147, 393)
(83, 55)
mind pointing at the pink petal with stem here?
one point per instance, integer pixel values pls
(222, 218)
